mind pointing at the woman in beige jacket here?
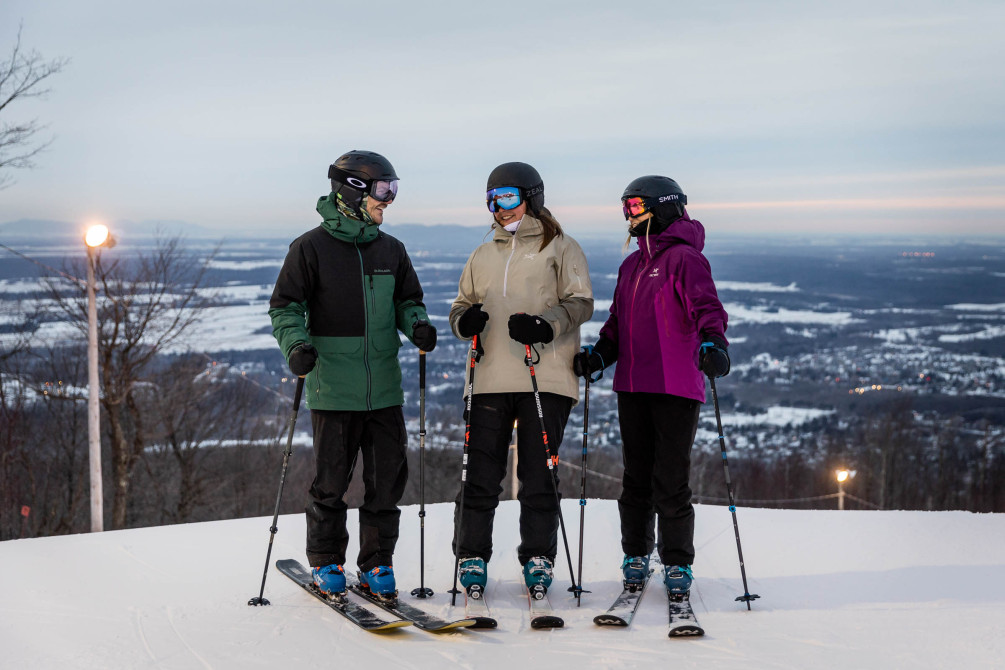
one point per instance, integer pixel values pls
(529, 285)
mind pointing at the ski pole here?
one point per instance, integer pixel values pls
(747, 596)
(529, 361)
(259, 600)
(582, 482)
(476, 354)
(422, 591)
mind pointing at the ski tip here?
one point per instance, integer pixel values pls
(448, 626)
(609, 620)
(483, 622)
(686, 631)
(389, 625)
(547, 621)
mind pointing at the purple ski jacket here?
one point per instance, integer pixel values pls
(664, 303)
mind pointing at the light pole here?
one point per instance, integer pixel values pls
(842, 476)
(95, 237)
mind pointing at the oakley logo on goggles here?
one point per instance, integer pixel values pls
(380, 189)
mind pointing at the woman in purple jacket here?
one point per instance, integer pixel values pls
(666, 328)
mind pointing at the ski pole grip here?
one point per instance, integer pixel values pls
(422, 369)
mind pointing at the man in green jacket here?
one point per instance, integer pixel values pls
(344, 292)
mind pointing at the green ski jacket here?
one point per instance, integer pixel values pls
(347, 288)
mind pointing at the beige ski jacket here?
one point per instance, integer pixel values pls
(510, 274)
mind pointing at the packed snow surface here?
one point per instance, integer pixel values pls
(842, 590)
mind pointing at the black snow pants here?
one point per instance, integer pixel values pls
(339, 438)
(657, 431)
(492, 417)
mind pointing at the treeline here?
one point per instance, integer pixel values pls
(214, 444)
(898, 459)
(199, 449)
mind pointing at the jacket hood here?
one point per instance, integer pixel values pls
(342, 227)
(684, 230)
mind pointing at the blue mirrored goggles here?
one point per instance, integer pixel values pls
(504, 197)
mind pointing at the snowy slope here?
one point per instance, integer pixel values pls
(838, 590)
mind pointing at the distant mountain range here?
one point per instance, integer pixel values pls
(440, 237)
(63, 231)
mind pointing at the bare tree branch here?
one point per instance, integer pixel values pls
(22, 76)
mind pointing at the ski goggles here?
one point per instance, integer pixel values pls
(380, 189)
(385, 191)
(635, 206)
(504, 197)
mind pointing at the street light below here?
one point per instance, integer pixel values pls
(96, 236)
(842, 477)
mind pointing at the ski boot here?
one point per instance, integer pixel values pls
(537, 574)
(473, 576)
(380, 582)
(678, 579)
(330, 580)
(635, 570)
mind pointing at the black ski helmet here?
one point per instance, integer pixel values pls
(663, 197)
(524, 177)
(354, 173)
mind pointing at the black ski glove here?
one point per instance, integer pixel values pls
(594, 358)
(473, 321)
(586, 362)
(303, 358)
(530, 329)
(424, 335)
(591, 359)
(712, 357)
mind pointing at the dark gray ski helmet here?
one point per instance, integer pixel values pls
(663, 197)
(364, 165)
(655, 187)
(358, 173)
(524, 177)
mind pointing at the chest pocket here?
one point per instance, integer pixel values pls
(380, 312)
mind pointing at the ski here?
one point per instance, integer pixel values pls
(358, 614)
(541, 613)
(477, 609)
(683, 622)
(420, 618)
(625, 605)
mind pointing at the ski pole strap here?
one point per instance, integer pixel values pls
(589, 349)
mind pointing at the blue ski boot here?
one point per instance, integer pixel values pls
(635, 570)
(379, 581)
(330, 579)
(678, 579)
(473, 576)
(537, 574)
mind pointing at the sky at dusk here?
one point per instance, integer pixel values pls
(852, 117)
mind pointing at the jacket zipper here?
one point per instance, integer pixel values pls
(631, 319)
(366, 324)
(506, 271)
